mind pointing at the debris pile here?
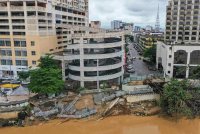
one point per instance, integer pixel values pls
(97, 105)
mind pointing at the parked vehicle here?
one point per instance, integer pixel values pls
(131, 70)
(130, 67)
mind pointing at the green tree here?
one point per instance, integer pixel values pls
(195, 73)
(151, 53)
(46, 81)
(24, 75)
(174, 98)
(47, 62)
(129, 38)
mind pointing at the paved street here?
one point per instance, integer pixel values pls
(141, 68)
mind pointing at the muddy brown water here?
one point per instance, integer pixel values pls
(112, 125)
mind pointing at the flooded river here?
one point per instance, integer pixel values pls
(112, 125)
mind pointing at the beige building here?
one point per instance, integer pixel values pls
(31, 28)
(182, 22)
(95, 24)
(179, 55)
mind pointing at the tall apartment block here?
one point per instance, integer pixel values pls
(179, 54)
(32, 28)
(116, 24)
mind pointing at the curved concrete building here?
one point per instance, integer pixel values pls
(93, 59)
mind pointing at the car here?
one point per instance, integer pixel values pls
(133, 58)
(131, 70)
(129, 61)
(130, 67)
(140, 53)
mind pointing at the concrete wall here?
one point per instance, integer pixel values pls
(145, 97)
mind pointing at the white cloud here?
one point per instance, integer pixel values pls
(140, 12)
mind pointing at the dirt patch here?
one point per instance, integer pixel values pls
(85, 101)
(8, 115)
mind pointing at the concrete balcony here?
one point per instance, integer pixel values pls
(35, 8)
(17, 8)
(42, 17)
(3, 17)
(4, 30)
(45, 1)
(100, 68)
(3, 8)
(4, 24)
(89, 56)
(17, 17)
(96, 45)
(41, 9)
(19, 30)
(99, 35)
(97, 78)
(42, 24)
(30, 8)
(19, 24)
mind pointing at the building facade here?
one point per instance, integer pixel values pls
(116, 24)
(93, 59)
(179, 54)
(32, 28)
(150, 39)
(95, 24)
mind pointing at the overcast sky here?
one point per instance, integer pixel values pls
(140, 12)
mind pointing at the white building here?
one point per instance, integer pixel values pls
(128, 26)
(116, 24)
(179, 55)
(178, 60)
(93, 59)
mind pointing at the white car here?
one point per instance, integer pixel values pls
(131, 70)
(134, 58)
(130, 67)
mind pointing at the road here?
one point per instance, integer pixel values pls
(141, 68)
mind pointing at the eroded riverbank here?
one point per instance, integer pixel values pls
(112, 125)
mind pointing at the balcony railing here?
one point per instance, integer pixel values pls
(34, 8)
(3, 8)
(16, 8)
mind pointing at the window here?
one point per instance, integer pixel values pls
(21, 63)
(33, 52)
(32, 43)
(8, 43)
(34, 62)
(169, 64)
(17, 53)
(170, 56)
(24, 53)
(5, 42)
(19, 43)
(169, 72)
(21, 53)
(193, 38)
(23, 43)
(6, 62)
(5, 52)
(186, 38)
(2, 43)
